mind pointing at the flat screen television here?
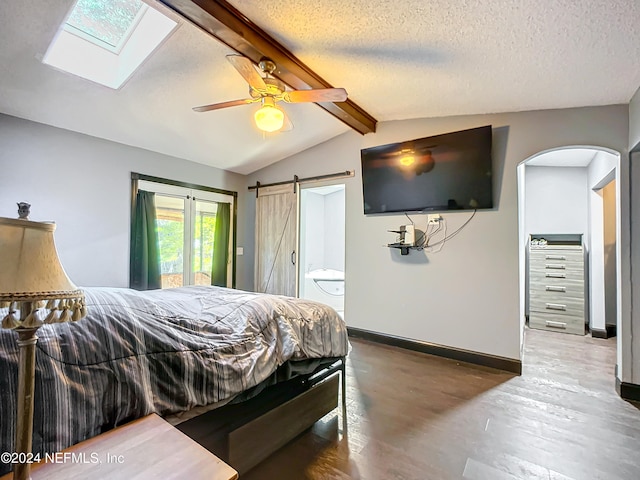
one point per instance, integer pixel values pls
(444, 172)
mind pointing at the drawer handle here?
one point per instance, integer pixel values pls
(555, 306)
(552, 324)
(555, 288)
(555, 257)
(555, 275)
(558, 266)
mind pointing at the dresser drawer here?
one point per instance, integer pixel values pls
(566, 306)
(544, 276)
(557, 265)
(556, 288)
(557, 323)
(556, 255)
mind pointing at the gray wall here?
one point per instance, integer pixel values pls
(634, 121)
(467, 295)
(84, 185)
(634, 327)
(634, 294)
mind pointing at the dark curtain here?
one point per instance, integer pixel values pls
(221, 245)
(144, 269)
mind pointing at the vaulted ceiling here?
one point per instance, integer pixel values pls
(397, 60)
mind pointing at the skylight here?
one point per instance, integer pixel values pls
(106, 23)
(105, 41)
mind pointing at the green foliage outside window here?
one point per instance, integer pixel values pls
(203, 243)
(171, 239)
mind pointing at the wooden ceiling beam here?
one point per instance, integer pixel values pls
(224, 22)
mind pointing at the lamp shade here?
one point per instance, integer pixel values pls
(269, 118)
(29, 265)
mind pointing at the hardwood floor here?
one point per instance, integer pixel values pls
(413, 416)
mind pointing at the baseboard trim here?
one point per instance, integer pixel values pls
(599, 333)
(628, 391)
(607, 332)
(468, 356)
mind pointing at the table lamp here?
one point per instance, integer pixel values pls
(36, 290)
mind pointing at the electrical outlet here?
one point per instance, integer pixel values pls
(433, 218)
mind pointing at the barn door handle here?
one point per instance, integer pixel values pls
(293, 257)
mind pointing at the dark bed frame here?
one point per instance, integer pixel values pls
(243, 434)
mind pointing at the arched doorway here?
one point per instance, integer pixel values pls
(574, 189)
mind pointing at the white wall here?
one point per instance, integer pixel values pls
(84, 185)
(312, 240)
(322, 230)
(523, 253)
(466, 296)
(334, 230)
(556, 200)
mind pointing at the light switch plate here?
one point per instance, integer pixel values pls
(239, 250)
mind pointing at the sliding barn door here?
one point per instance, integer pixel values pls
(276, 240)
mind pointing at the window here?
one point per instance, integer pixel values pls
(108, 24)
(105, 41)
(186, 221)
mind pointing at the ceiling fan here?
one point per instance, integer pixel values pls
(268, 90)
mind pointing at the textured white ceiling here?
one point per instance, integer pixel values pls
(397, 60)
(404, 59)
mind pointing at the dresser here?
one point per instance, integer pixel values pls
(557, 287)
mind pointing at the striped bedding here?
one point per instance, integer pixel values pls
(162, 351)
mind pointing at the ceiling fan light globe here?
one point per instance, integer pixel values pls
(269, 118)
(407, 160)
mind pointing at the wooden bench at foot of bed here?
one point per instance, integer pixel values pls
(145, 448)
(246, 433)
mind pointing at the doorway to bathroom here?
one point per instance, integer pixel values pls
(322, 245)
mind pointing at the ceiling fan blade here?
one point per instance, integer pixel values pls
(317, 95)
(218, 106)
(247, 70)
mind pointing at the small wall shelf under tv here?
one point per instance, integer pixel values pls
(404, 249)
(406, 239)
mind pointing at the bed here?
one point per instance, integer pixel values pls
(171, 352)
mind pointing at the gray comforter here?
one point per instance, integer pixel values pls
(162, 351)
